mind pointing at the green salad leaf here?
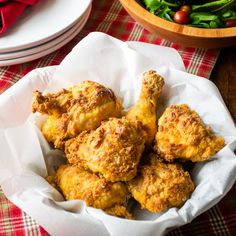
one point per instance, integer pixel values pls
(203, 14)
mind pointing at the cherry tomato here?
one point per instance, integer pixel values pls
(230, 23)
(185, 8)
(181, 17)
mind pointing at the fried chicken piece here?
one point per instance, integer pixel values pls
(113, 149)
(160, 185)
(182, 134)
(73, 110)
(52, 103)
(146, 106)
(76, 183)
(119, 210)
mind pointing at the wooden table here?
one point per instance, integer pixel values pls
(224, 76)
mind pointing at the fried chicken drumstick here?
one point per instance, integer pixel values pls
(182, 134)
(73, 110)
(145, 108)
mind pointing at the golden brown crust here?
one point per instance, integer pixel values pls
(52, 103)
(113, 149)
(182, 134)
(145, 108)
(120, 211)
(161, 186)
(71, 111)
(76, 183)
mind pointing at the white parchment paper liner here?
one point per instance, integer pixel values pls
(26, 158)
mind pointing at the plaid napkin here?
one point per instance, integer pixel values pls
(10, 10)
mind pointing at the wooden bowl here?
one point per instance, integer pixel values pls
(182, 34)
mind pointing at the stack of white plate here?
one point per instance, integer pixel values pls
(42, 29)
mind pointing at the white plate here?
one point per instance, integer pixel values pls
(47, 45)
(47, 51)
(42, 22)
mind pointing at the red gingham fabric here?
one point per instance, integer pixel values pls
(111, 18)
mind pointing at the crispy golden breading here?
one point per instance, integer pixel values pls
(161, 186)
(76, 183)
(182, 134)
(113, 149)
(71, 111)
(52, 103)
(52, 129)
(119, 210)
(145, 108)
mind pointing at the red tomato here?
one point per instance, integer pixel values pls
(185, 8)
(181, 17)
(230, 23)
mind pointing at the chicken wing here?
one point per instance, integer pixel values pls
(145, 108)
(113, 149)
(81, 107)
(52, 103)
(161, 186)
(76, 183)
(182, 134)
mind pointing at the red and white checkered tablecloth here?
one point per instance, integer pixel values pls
(111, 18)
